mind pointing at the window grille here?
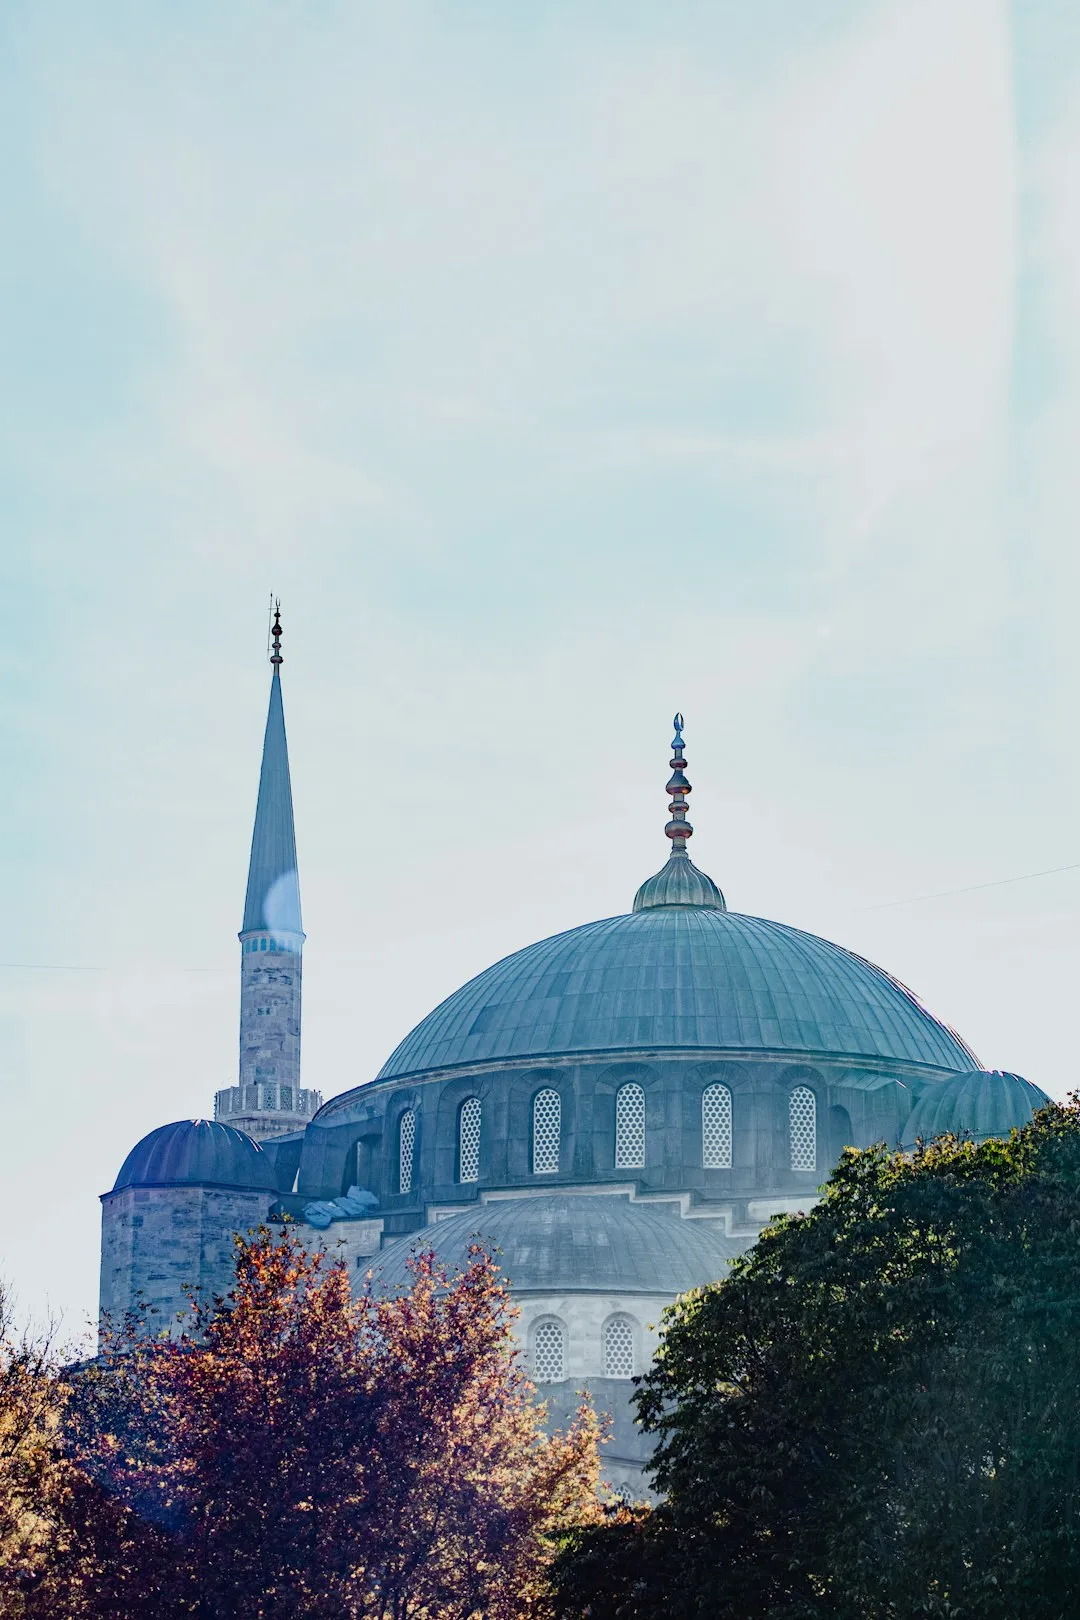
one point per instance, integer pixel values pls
(547, 1129)
(716, 1136)
(618, 1348)
(469, 1140)
(406, 1143)
(630, 1127)
(549, 1353)
(286, 1099)
(802, 1128)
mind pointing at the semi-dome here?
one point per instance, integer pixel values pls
(672, 977)
(197, 1153)
(586, 1242)
(977, 1105)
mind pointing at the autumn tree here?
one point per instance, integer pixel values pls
(874, 1416)
(308, 1452)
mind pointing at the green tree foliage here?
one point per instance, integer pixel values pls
(876, 1413)
(304, 1452)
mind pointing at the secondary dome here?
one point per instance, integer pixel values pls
(591, 1241)
(982, 1103)
(685, 978)
(197, 1152)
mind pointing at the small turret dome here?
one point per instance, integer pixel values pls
(197, 1153)
(976, 1105)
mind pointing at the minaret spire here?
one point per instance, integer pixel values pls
(679, 883)
(269, 1098)
(678, 828)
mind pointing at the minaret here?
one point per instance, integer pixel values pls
(269, 1099)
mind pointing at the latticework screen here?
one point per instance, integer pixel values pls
(618, 1348)
(406, 1144)
(549, 1353)
(547, 1129)
(802, 1128)
(469, 1140)
(630, 1127)
(716, 1134)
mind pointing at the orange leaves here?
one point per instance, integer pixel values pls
(379, 1456)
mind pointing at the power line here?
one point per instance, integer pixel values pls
(95, 967)
(997, 883)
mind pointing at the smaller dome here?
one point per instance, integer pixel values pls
(197, 1153)
(679, 883)
(977, 1105)
(590, 1241)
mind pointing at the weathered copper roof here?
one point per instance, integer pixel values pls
(982, 1103)
(197, 1153)
(673, 977)
(273, 887)
(573, 1243)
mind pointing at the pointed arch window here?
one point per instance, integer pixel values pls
(802, 1128)
(549, 1351)
(547, 1131)
(630, 1127)
(469, 1116)
(406, 1149)
(716, 1132)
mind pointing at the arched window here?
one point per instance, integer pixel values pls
(630, 1127)
(716, 1128)
(406, 1144)
(802, 1128)
(469, 1140)
(547, 1129)
(618, 1347)
(549, 1352)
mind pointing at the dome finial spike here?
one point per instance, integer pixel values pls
(275, 633)
(678, 828)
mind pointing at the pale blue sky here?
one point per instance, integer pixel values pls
(558, 366)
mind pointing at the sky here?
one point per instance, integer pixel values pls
(559, 367)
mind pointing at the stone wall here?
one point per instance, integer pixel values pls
(159, 1244)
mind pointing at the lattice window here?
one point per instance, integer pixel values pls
(802, 1128)
(630, 1127)
(549, 1352)
(469, 1140)
(716, 1134)
(406, 1144)
(286, 1099)
(618, 1348)
(547, 1129)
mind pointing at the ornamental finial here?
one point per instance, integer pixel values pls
(678, 828)
(275, 635)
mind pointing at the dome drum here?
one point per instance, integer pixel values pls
(647, 1122)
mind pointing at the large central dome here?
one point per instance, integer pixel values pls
(680, 977)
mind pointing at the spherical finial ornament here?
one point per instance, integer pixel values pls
(275, 635)
(679, 883)
(678, 828)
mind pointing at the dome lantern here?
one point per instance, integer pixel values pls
(679, 882)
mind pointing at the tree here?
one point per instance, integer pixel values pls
(305, 1452)
(68, 1549)
(875, 1413)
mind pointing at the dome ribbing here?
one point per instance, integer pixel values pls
(197, 1153)
(979, 1104)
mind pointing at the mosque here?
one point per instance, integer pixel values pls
(619, 1109)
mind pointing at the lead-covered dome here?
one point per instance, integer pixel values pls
(980, 1104)
(680, 978)
(604, 1242)
(197, 1153)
